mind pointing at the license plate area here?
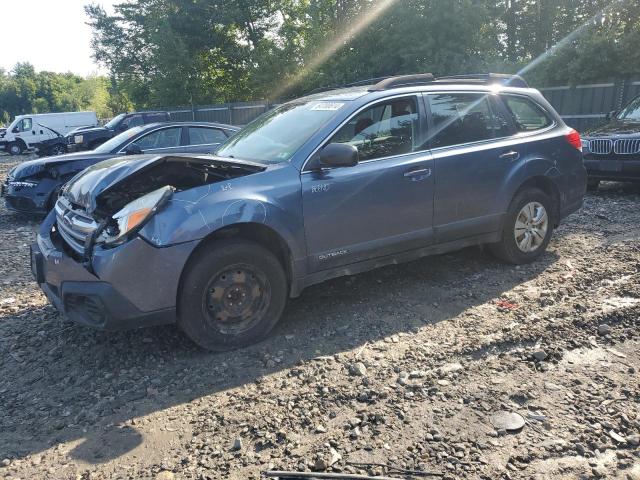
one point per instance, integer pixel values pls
(611, 165)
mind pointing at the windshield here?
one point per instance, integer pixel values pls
(111, 124)
(116, 142)
(631, 111)
(277, 135)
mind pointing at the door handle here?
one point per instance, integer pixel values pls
(418, 174)
(511, 155)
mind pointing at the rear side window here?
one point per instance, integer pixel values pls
(460, 118)
(155, 117)
(383, 130)
(205, 136)
(165, 138)
(133, 121)
(527, 115)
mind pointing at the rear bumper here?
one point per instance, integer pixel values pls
(130, 286)
(613, 169)
(572, 187)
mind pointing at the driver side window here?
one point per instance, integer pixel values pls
(383, 130)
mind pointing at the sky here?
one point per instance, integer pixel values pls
(50, 34)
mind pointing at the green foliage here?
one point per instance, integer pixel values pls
(170, 52)
(182, 52)
(23, 90)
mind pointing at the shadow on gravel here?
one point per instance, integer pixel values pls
(60, 382)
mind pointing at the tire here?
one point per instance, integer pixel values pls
(57, 150)
(537, 230)
(213, 309)
(15, 148)
(593, 184)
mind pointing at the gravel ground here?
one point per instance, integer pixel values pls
(408, 365)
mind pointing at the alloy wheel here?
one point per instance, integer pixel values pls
(531, 227)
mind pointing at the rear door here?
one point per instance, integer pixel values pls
(384, 204)
(202, 139)
(471, 162)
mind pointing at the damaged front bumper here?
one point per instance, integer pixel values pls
(129, 286)
(28, 196)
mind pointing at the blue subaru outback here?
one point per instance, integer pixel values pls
(331, 184)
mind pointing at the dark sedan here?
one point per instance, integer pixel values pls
(33, 186)
(612, 151)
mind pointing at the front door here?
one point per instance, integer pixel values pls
(383, 205)
(27, 131)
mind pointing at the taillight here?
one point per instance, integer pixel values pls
(573, 137)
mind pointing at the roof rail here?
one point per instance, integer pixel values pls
(487, 78)
(402, 81)
(358, 83)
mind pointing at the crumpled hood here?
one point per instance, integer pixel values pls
(85, 188)
(32, 167)
(614, 128)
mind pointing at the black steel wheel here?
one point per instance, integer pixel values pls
(58, 150)
(233, 293)
(236, 299)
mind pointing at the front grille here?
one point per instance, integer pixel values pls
(74, 225)
(626, 146)
(600, 146)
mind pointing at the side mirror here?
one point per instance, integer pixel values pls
(15, 130)
(122, 127)
(133, 149)
(611, 114)
(338, 155)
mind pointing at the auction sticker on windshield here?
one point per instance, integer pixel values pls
(327, 106)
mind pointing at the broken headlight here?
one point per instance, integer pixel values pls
(134, 215)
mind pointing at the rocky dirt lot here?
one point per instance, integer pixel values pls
(408, 366)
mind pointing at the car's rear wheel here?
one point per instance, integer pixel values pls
(527, 228)
(15, 148)
(233, 293)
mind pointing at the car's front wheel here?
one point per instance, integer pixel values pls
(57, 150)
(233, 293)
(15, 148)
(527, 228)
